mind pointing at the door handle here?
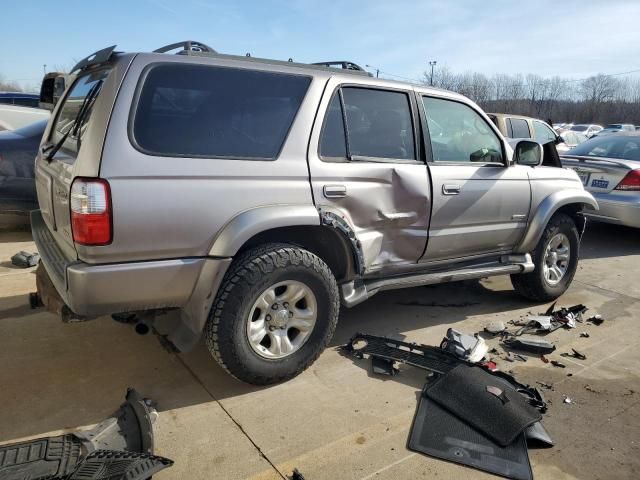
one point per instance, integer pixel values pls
(450, 189)
(334, 191)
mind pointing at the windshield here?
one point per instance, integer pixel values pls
(579, 128)
(615, 146)
(69, 110)
(614, 126)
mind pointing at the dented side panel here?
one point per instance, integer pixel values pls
(387, 205)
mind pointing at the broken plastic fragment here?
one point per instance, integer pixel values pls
(543, 321)
(495, 327)
(567, 399)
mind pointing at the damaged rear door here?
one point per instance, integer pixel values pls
(365, 166)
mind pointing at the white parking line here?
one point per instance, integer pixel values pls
(388, 466)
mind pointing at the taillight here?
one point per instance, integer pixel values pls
(631, 181)
(91, 211)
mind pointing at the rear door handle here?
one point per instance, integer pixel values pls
(334, 191)
(450, 189)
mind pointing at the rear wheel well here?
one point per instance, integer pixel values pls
(325, 242)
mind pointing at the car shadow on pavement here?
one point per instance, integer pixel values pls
(603, 240)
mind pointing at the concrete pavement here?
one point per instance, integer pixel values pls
(336, 420)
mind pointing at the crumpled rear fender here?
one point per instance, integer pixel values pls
(547, 208)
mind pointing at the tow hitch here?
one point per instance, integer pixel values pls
(119, 447)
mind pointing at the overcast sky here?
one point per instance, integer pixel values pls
(569, 38)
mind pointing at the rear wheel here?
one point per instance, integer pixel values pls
(275, 312)
(556, 261)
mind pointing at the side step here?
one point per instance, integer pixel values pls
(353, 294)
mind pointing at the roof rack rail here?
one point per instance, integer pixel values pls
(343, 64)
(188, 48)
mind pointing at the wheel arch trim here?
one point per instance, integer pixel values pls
(547, 208)
(251, 222)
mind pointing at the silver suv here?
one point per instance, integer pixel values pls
(245, 199)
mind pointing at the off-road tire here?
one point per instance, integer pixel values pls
(248, 276)
(533, 285)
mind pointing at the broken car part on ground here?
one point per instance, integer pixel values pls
(469, 411)
(467, 414)
(120, 447)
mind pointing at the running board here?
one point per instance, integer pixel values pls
(353, 294)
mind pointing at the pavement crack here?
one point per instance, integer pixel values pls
(237, 424)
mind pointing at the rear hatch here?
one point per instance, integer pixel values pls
(71, 148)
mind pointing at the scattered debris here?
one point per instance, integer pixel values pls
(556, 363)
(296, 475)
(382, 366)
(544, 359)
(548, 386)
(530, 344)
(574, 354)
(495, 328)
(567, 399)
(494, 351)
(542, 321)
(468, 347)
(596, 320)
(25, 259)
(589, 388)
(490, 365)
(121, 444)
(584, 334)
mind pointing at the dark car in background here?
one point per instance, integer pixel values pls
(18, 149)
(20, 98)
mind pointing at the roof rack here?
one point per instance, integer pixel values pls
(188, 48)
(192, 47)
(343, 64)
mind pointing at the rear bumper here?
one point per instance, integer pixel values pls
(621, 209)
(93, 290)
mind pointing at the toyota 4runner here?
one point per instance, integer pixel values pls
(245, 199)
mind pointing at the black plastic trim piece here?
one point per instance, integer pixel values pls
(332, 220)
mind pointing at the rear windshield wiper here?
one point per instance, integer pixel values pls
(77, 122)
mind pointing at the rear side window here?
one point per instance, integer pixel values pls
(203, 111)
(378, 125)
(518, 128)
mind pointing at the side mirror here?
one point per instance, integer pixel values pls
(51, 89)
(559, 140)
(528, 153)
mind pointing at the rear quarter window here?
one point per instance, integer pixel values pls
(218, 112)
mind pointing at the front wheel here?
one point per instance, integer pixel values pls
(556, 261)
(275, 312)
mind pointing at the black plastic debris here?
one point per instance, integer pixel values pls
(25, 259)
(558, 364)
(470, 394)
(382, 366)
(533, 345)
(296, 475)
(119, 447)
(103, 465)
(596, 320)
(428, 357)
(574, 354)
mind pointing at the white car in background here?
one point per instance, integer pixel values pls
(13, 117)
(570, 139)
(587, 129)
(609, 167)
